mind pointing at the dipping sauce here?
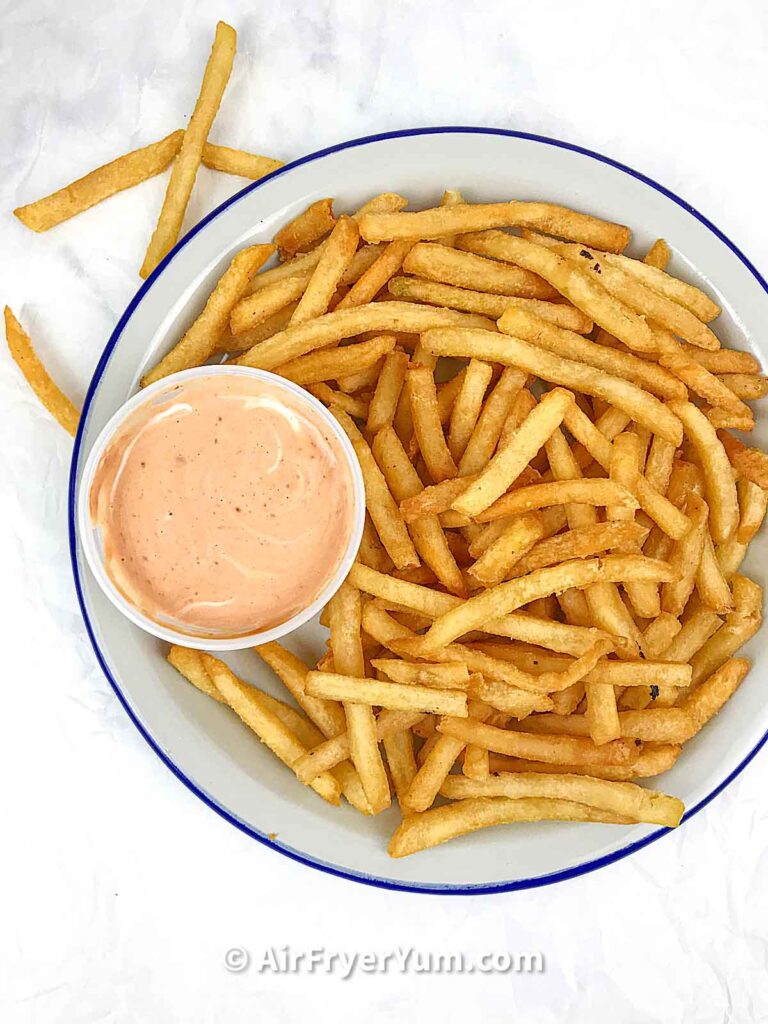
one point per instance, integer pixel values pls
(225, 505)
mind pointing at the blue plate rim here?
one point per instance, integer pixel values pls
(433, 888)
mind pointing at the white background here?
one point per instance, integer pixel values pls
(119, 891)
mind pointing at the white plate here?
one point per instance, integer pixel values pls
(202, 742)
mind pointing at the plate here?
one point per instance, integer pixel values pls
(203, 743)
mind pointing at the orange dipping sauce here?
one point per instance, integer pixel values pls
(225, 505)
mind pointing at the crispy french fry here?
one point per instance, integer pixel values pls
(465, 270)
(638, 404)
(449, 220)
(356, 407)
(401, 761)
(36, 375)
(711, 584)
(306, 229)
(748, 386)
(582, 542)
(497, 410)
(753, 503)
(704, 701)
(260, 306)
(244, 701)
(511, 547)
(123, 172)
(330, 364)
(376, 276)
(623, 798)
(653, 759)
(655, 277)
(748, 462)
(658, 255)
(466, 409)
(202, 338)
(184, 172)
(397, 696)
(595, 492)
(444, 676)
(334, 261)
(559, 314)
(383, 404)
(685, 558)
(718, 478)
(740, 624)
(427, 534)
(346, 323)
(657, 725)
(420, 385)
(507, 464)
(237, 161)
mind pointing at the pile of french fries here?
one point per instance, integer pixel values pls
(547, 603)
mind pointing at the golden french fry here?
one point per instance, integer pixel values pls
(582, 542)
(705, 700)
(449, 220)
(383, 404)
(427, 534)
(397, 696)
(657, 725)
(346, 648)
(244, 701)
(698, 379)
(420, 386)
(748, 386)
(465, 270)
(655, 277)
(685, 558)
(330, 364)
(559, 314)
(583, 290)
(748, 462)
(517, 539)
(506, 597)
(659, 634)
(237, 161)
(327, 330)
(329, 754)
(496, 412)
(36, 375)
(123, 172)
(401, 761)
(356, 407)
(507, 464)
(658, 256)
(262, 305)
(711, 584)
(740, 624)
(306, 229)
(381, 505)
(275, 323)
(556, 749)
(512, 700)
(638, 404)
(190, 664)
(589, 491)
(369, 284)
(466, 409)
(444, 676)
(753, 503)
(202, 338)
(723, 360)
(569, 345)
(439, 824)
(653, 759)
(623, 798)
(184, 172)
(718, 478)
(601, 713)
(335, 259)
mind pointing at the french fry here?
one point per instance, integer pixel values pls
(748, 386)
(329, 754)
(369, 284)
(36, 375)
(381, 505)
(685, 558)
(753, 503)
(383, 404)
(656, 725)
(659, 256)
(638, 404)
(559, 314)
(449, 220)
(507, 464)
(260, 306)
(555, 749)
(420, 386)
(654, 277)
(444, 676)
(184, 172)
(659, 634)
(506, 597)
(711, 584)
(723, 360)
(237, 161)
(700, 381)
(582, 542)
(333, 327)
(510, 699)
(465, 270)
(748, 462)
(516, 541)
(401, 761)
(734, 418)
(496, 411)
(190, 664)
(718, 478)
(356, 407)
(601, 713)
(703, 702)
(334, 261)
(119, 174)
(202, 338)
(622, 798)
(594, 492)
(653, 759)
(426, 533)
(306, 229)
(629, 290)
(275, 323)
(244, 701)
(740, 624)
(330, 364)
(397, 696)
(466, 409)
(569, 345)
(583, 290)
(439, 824)
(345, 615)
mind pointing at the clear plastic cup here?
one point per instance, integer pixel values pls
(90, 536)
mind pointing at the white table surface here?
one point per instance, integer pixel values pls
(119, 891)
